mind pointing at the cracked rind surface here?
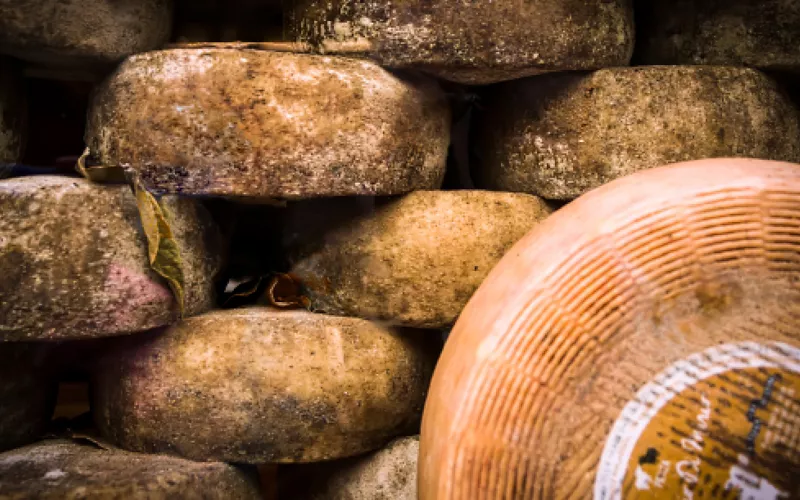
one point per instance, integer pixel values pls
(258, 385)
(27, 394)
(478, 43)
(416, 260)
(74, 264)
(253, 123)
(559, 136)
(13, 112)
(764, 34)
(81, 32)
(57, 469)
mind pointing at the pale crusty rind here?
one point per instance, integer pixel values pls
(559, 136)
(74, 264)
(254, 123)
(416, 260)
(387, 474)
(59, 468)
(258, 385)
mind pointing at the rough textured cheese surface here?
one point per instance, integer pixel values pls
(257, 385)
(74, 263)
(70, 32)
(387, 474)
(473, 42)
(414, 260)
(559, 136)
(253, 123)
(58, 469)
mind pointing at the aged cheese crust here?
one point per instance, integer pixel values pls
(559, 136)
(253, 123)
(69, 32)
(56, 469)
(258, 385)
(416, 260)
(388, 474)
(473, 43)
(763, 34)
(73, 260)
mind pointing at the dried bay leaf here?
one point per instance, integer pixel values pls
(99, 173)
(163, 251)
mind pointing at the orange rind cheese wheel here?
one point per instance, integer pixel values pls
(642, 342)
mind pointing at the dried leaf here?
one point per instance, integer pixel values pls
(163, 251)
(100, 173)
(284, 291)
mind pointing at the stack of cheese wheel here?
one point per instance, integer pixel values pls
(643, 340)
(387, 155)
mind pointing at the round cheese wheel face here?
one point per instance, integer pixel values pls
(644, 340)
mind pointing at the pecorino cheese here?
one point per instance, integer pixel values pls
(559, 136)
(413, 261)
(253, 123)
(82, 32)
(473, 43)
(59, 468)
(258, 385)
(644, 341)
(74, 261)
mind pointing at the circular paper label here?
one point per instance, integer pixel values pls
(723, 423)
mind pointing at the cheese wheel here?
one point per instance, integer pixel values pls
(559, 136)
(264, 386)
(389, 473)
(763, 34)
(74, 261)
(478, 43)
(82, 32)
(644, 340)
(27, 394)
(413, 261)
(60, 468)
(253, 123)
